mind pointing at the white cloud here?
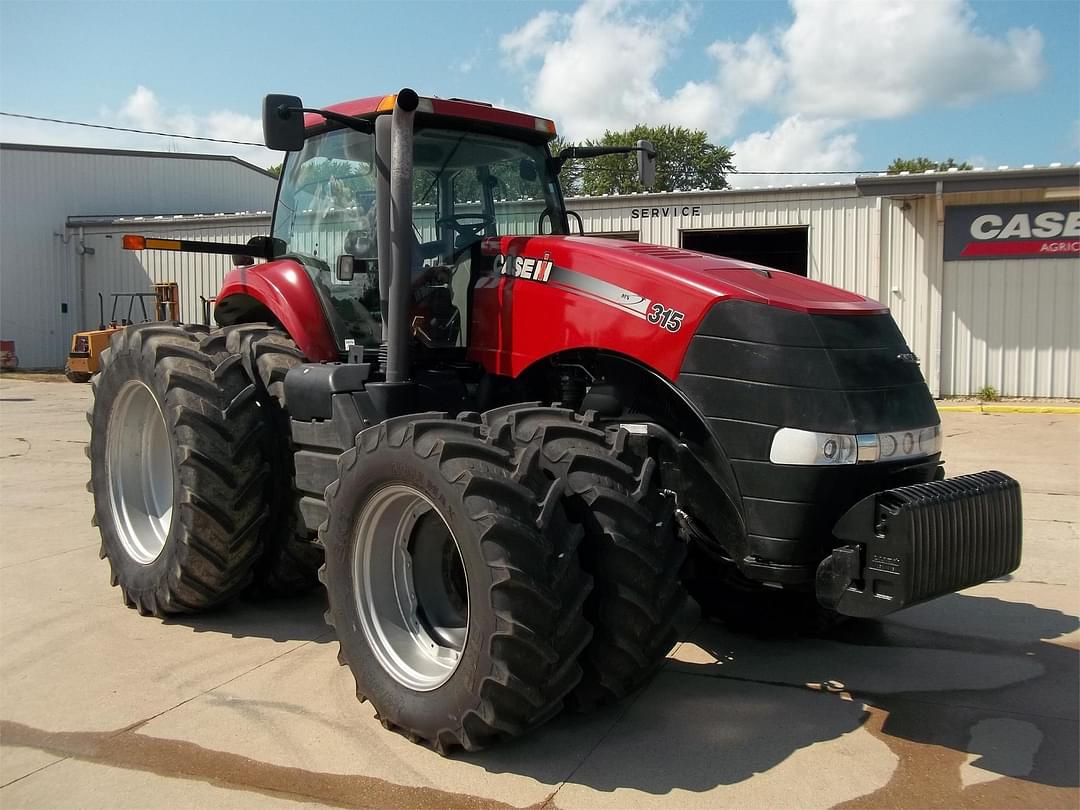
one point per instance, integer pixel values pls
(143, 110)
(520, 45)
(857, 59)
(750, 71)
(796, 144)
(597, 69)
(837, 62)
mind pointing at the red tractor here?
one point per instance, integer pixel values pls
(374, 409)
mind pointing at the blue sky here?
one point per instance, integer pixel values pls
(805, 86)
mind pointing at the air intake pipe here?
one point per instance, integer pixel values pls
(401, 236)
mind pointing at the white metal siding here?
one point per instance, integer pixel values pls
(40, 189)
(112, 269)
(908, 243)
(844, 227)
(1012, 324)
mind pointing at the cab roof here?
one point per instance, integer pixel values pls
(451, 108)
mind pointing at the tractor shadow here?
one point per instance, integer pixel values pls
(298, 618)
(974, 675)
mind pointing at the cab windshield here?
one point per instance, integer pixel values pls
(466, 185)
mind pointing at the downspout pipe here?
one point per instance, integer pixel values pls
(401, 235)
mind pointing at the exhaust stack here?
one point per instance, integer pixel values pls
(401, 236)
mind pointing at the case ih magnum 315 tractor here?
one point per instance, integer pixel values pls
(375, 410)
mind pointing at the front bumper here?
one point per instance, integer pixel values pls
(910, 544)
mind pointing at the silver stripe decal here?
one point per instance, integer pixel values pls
(600, 290)
(626, 300)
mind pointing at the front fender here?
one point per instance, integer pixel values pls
(283, 288)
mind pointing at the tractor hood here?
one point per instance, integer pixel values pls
(631, 265)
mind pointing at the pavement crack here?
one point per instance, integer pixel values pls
(24, 452)
(624, 707)
(36, 770)
(48, 556)
(140, 723)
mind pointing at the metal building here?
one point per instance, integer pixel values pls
(44, 260)
(981, 269)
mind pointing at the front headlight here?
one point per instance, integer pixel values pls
(806, 447)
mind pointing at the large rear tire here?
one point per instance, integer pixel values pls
(631, 546)
(177, 471)
(453, 583)
(290, 558)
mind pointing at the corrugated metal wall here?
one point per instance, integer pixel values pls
(909, 240)
(112, 269)
(40, 189)
(844, 227)
(1014, 325)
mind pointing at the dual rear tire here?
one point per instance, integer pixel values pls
(483, 574)
(453, 582)
(177, 472)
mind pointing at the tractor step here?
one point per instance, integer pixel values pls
(328, 407)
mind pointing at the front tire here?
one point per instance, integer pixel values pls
(177, 473)
(453, 583)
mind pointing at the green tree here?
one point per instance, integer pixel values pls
(274, 170)
(685, 160)
(923, 164)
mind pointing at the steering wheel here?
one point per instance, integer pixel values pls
(471, 226)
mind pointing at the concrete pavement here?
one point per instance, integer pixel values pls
(970, 700)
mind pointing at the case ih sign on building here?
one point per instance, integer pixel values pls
(1017, 231)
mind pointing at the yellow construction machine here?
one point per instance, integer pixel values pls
(85, 356)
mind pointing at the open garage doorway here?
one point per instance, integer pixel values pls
(781, 248)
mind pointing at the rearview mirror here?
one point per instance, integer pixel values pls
(283, 123)
(346, 268)
(646, 163)
(262, 247)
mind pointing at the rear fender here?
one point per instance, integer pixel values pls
(280, 291)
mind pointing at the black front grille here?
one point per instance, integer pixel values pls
(963, 530)
(752, 368)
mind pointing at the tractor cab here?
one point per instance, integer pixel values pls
(466, 185)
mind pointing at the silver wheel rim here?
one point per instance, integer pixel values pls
(410, 587)
(140, 468)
